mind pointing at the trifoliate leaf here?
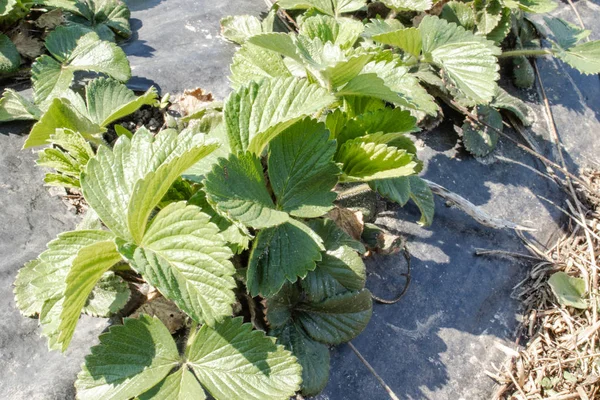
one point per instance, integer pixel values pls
(408, 39)
(532, 6)
(378, 26)
(123, 185)
(584, 57)
(302, 171)
(109, 100)
(513, 104)
(468, 61)
(237, 189)
(130, 359)
(183, 255)
(14, 107)
(385, 120)
(337, 319)
(569, 291)
(400, 190)
(51, 78)
(10, 60)
(86, 270)
(479, 139)
(254, 63)
(365, 161)
(408, 5)
(106, 17)
(233, 361)
(240, 27)
(282, 253)
(110, 295)
(312, 356)
(461, 14)
(329, 7)
(341, 267)
(256, 113)
(488, 14)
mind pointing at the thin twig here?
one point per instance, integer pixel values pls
(389, 391)
(406, 285)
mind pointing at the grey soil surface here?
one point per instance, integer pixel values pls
(437, 341)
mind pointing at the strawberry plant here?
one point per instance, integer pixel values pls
(231, 214)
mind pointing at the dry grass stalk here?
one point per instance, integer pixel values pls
(561, 358)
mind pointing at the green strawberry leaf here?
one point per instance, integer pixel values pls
(408, 5)
(106, 17)
(110, 295)
(256, 113)
(10, 60)
(329, 7)
(584, 57)
(364, 161)
(480, 140)
(130, 359)
(400, 190)
(312, 356)
(385, 120)
(337, 319)
(518, 107)
(282, 254)
(14, 107)
(302, 171)
(186, 258)
(237, 189)
(254, 63)
(569, 291)
(532, 6)
(240, 28)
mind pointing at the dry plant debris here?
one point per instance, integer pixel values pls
(561, 359)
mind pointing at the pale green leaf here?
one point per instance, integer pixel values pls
(240, 28)
(365, 161)
(63, 40)
(232, 361)
(343, 32)
(130, 359)
(329, 7)
(61, 115)
(532, 6)
(460, 13)
(467, 61)
(488, 14)
(584, 57)
(109, 296)
(343, 71)
(408, 5)
(6, 7)
(413, 96)
(184, 256)
(501, 30)
(282, 43)
(569, 291)
(337, 319)
(282, 253)
(86, 270)
(378, 26)
(109, 100)
(256, 113)
(302, 171)
(312, 356)
(113, 180)
(254, 63)
(26, 297)
(480, 139)
(51, 78)
(408, 39)
(565, 33)
(10, 60)
(14, 107)
(180, 385)
(236, 188)
(385, 120)
(106, 17)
